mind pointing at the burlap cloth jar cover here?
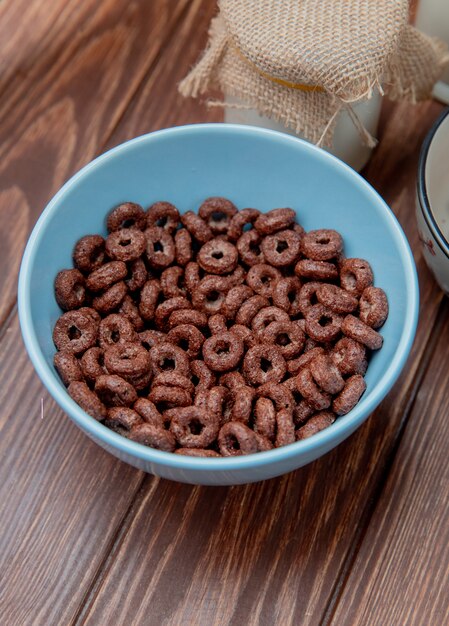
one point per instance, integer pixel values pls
(301, 62)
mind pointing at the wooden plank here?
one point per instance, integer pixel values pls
(71, 108)
(271, 552)
(67, 501)
(31, 40)
(401, 571)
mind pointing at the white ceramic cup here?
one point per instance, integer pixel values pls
(432, 205)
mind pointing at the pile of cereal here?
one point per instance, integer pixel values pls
(215, 334)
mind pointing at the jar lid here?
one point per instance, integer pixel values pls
(334, 44)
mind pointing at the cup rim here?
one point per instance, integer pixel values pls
(335, 433)
(423, 196)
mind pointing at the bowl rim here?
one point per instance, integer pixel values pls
(338, 431)
(423, 197)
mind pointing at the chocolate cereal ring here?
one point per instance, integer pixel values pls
(193, 427)
(282, 249)
(196, 226)
(70, 291)
(249, 248)
(129, 310)
(122, 419)
(288, 337)
(165, 357)
(234, 299)
(154, 437)
(148, 412)
(92, 364)
(236, 439)
(172, 284)
(166, 308)
(188, 338)
(373, 307)
(313, 395)
(336, 298)
(262, 277)
(242, 404)
(308, 296)
(263, 443)
(316, 270)
(128, 360)
(222, 352)
(265, 418)
(280, 394)
(217, 402)
(111, 299)
(355, 329)
(239, 221)
(149, 338)
(233, 381)
(192, 276)
(183, 247)
(126, 244)
(115, 329)
(87, 400)
(351, 394)
(217, 213)
(172, 379)
(187, 316)
(169, 397)
(68, 367)
(292, 388)
(160, 247)
(274, 220)
(137, 275)
(218, 256)
(285, 428)
(245, 334)
(149, 297)
(356, 275)
(163, 215)
(249, 309)
(264, 364)
(202, 377)
(217, 324)
(322, 245)
(315, 424)
(106, 276)
(286, 294)
(75, 331)
(266, 316)
(323, 324)
(326, 374)
(210, 294)
(126, 215)
(88, 253)
(114, 390)
(349, 356)
(236, 277)
(295, 365)
(302, 412)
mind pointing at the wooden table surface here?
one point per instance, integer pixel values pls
(358, 537)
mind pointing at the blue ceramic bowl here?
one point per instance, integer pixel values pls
(253, 167)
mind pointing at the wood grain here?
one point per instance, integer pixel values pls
(86, 538)
(66, 499)
(402, 568)
(73, 102)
